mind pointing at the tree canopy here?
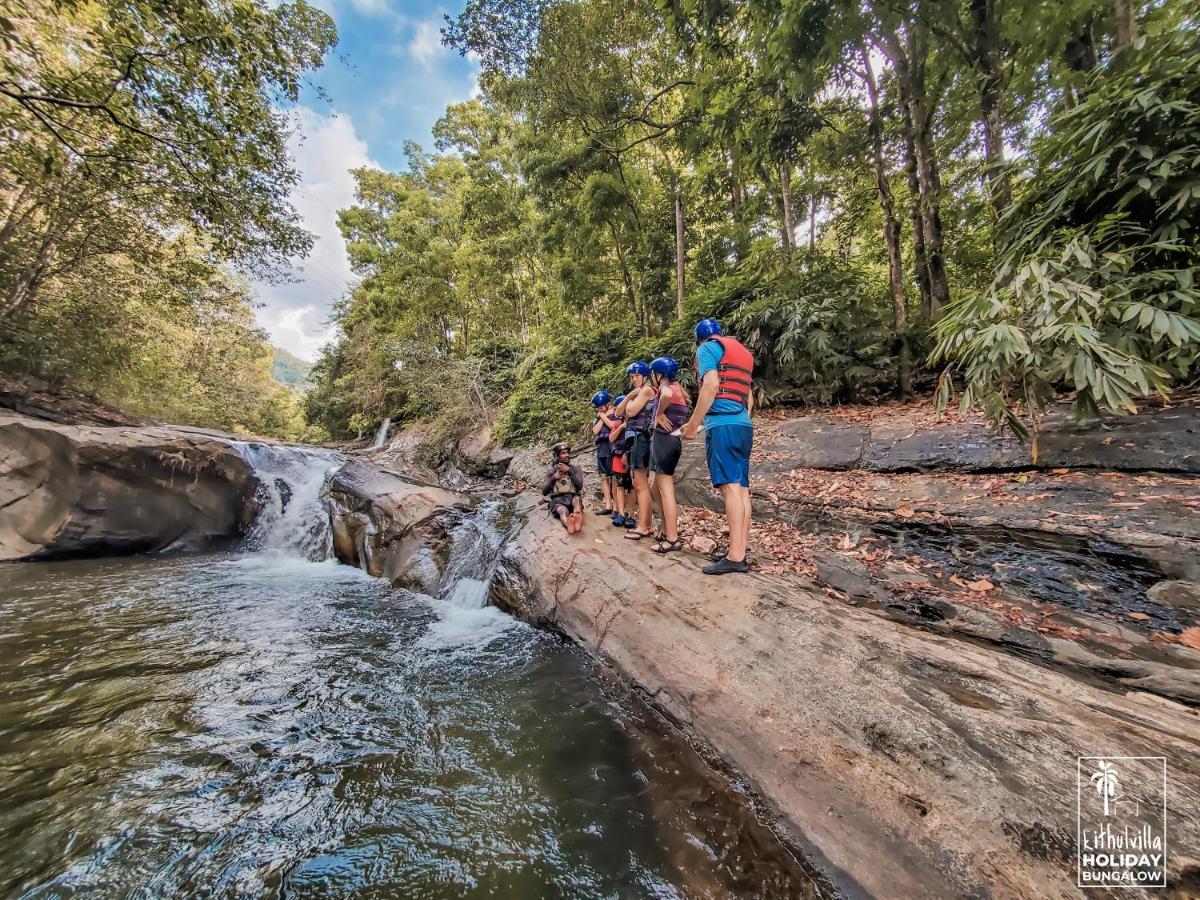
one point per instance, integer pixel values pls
(995, 195)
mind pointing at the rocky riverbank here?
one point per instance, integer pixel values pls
(907, 762)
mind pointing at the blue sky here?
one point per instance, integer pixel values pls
(388, 80)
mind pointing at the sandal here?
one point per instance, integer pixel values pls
(664, 546)
(634, 535)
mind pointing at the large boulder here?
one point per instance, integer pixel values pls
(908, 764)
(388, 525)
(1162, 440)
(87, 490)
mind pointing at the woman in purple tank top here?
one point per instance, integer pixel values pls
(672, 407)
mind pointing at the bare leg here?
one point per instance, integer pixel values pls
(668, 506)
(749, 515)
(619, 499)
(606, 492)
(641, 486)
(736, 500)
(562, 516)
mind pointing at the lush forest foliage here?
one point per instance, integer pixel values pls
(144, 175)
(994, 197)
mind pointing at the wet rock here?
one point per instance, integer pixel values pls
(911, 762)
(85, 490)
(1177, 594)
(848, 575)
(384, 523)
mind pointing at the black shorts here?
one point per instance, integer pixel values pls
(625, 480)
(665, 450)
(639, 456)
(560, 500)
(604, 466)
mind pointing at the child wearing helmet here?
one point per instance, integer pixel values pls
(602, 428)
(672, 407)
(639, 421)
(622, 483)
(562, 488)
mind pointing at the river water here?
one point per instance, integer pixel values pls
(270, 723)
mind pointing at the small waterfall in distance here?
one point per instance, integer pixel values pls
(294, 520)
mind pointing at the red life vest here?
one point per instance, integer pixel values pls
(735, 370)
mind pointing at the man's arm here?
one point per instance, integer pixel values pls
(708, 394)
(548, 484)
(577, 478)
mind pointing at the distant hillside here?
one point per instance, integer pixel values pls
(290, 370)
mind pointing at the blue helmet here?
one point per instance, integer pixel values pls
(617, 402)
(638, 368)
(600, 398)
(666, 367)
(706, 328)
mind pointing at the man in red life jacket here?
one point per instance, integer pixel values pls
(724, 403)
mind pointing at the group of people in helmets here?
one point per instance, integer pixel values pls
(639, 440)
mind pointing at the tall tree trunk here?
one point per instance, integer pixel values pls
(737, 203)
(991, 80)
(909, 64)
(1125, 30)
(891, 231)
(680, 251)
(920, 262)
(789, 216)
(627, 278)
(812, 223)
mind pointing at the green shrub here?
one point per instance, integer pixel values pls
(1097, 293)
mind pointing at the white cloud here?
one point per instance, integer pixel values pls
(325, 149)
(425, 46)
(363, 7)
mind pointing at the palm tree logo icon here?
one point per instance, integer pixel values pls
(1106, 782)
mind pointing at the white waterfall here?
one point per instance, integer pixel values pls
(293, 520)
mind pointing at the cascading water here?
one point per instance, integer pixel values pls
(293, 520)
(466, 618)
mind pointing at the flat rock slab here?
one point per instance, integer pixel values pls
(1155, 517)
(83, 490)
(908, 764)
(1165, 440)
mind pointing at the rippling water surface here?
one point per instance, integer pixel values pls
(265, 725)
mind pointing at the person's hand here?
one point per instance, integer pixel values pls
(689, 430)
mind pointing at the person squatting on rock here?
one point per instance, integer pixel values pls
(670, 411)
(606, 421)
(564, 488)
(622, 483)
(725, 369)
(639, 421)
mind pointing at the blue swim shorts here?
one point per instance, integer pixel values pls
(727, 448)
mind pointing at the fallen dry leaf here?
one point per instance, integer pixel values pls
(982, 586)
(1139, 617)
(905, 512)
(1190, 637)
